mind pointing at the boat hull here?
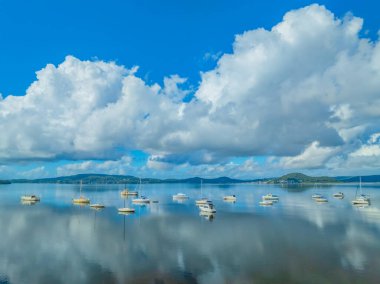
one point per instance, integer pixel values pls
(30, 198)
(97, 206)
(141, 201)
(126, 210)
(266, 202)
(81, 201)
(202, 202)
(207, 210)
(229, 198)
(129, 193)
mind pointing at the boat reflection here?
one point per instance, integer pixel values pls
(207, 215)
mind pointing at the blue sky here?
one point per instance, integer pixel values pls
(165, 38)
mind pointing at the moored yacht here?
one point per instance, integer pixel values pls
(127, 192)
(316, 195)
(363, 199)
(266, 202)
(270, 196)
(30, 198)
(180, 196)
(202, 201)
(97, 206)
(208, 207)
(339, 195)
(230, 198)
(321, 199)
(126, 210)
(141, 200)
(81, 199)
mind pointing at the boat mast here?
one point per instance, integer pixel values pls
(201, 188)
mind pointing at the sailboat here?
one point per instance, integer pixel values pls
(362, 199)
(127, 192)
(125, 209)
(208, 207)
(142, 199)
(230, 198)
(203, 200)
(30, 198)
(81, 199)
(97, 205)
(180, 197)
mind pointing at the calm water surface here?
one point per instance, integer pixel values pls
(293, 241)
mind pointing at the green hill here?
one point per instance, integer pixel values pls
(120, 179)
(294, 178)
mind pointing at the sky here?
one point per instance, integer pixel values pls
(169, 89)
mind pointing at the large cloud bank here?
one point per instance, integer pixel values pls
(308, 87)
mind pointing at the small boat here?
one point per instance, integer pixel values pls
(180, 196)
(321, 199)
(126, 210)
(266, 202)
(202, 201)
(208, 207)
(23, 202)
(141, 200)
(316, 195)
(97, 206)
(81, 199)
(30, 198)
(363, 199)
(338, 195)
(127, 192)
(154, 201)
(230, 198)
(270, 196)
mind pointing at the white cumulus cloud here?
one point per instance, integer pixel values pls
(304, 91)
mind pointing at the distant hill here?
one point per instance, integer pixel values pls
(120, 179)
(205, 180)
(294, 178)
(373, 178)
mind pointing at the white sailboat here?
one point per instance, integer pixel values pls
(126, 192)
(81, 199)
(125, 209)
(203, 200)
(230, 198)
(339, 195)
(97, 205)
(180, 196)
(30, 198)
(208, 207)
(271, 196)
(321, 199)
(362, 199)
(266, 202)
(142, 199)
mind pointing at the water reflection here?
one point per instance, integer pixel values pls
(294, 241)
